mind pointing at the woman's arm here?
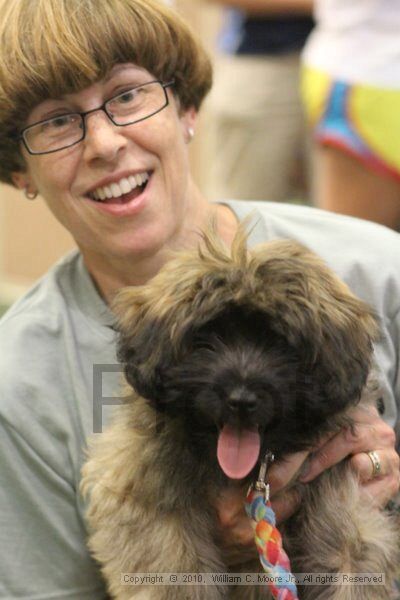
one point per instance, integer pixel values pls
(43, 551)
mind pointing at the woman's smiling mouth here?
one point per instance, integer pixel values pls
(122, 191)
(118, 202)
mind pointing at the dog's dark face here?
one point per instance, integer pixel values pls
(243, 380)
(241, 390)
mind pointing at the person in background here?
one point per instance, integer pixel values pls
(351, 92)
(256, 117)
(98, 104)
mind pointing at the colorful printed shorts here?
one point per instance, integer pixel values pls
(361, 120)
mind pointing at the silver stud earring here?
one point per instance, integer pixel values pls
(30, 195)
(190, 133)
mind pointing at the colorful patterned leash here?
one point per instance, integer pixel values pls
(273, 558)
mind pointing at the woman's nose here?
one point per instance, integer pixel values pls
(103, 139)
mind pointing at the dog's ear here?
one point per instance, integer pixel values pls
(144, 346)
(318, 315)
(142, 353)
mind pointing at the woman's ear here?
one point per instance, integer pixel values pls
(22, 181)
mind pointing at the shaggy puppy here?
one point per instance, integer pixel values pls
(230, 355)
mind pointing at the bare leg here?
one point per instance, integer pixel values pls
(344, 185)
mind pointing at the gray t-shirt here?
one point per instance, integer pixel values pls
(52, 393)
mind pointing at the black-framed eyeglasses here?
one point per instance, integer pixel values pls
(63, 131)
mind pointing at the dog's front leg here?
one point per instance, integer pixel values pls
(139, 553)
(338, 532)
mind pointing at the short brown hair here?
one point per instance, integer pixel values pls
(53, 47)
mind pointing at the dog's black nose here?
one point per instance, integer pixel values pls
(242, 399)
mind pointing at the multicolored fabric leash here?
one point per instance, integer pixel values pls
(273, 558)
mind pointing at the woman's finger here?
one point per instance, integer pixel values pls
(331, 453)
(370, 432)
(363, 464)
(382, 489)
(285, 504)
(282, 472)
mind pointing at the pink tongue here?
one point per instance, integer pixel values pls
(237, 451)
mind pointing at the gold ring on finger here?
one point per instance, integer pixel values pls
(376, 463)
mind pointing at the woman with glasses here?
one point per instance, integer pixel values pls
(98, 103)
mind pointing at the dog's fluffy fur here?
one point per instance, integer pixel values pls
(267, 338)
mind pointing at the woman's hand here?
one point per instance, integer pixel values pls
(369, 433)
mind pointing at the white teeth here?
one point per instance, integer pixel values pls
(132, 181)
(117, 189)
(125, 186)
